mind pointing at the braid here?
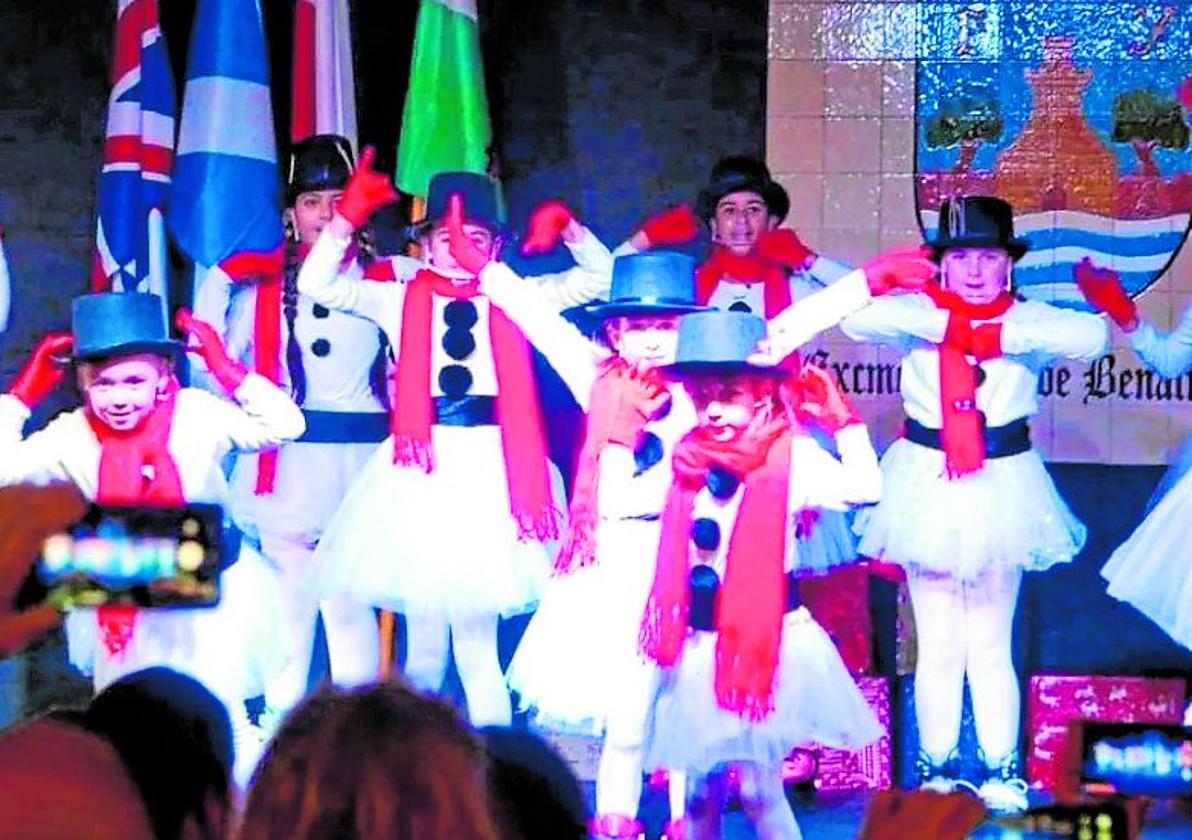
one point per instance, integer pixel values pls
(289, 307)
(377, 380)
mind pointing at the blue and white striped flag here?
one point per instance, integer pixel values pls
(226, 197)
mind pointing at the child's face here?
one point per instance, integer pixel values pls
(311, 213)
(439, 242)
(740, 220)
(976, 275)
(645, 341)
(726, 406)
(123, 392)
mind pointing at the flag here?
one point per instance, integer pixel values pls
(130, 243)
(445, 125)
(324, 87)
(5, 288)
(225, 206)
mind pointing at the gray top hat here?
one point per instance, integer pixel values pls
(719, 341)
(650, 283)
(117, 323)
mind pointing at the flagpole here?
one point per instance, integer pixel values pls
(157, 280)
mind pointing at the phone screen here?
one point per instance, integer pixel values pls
(139, 556)
(1138, 759)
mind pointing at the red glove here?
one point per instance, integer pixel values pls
(42, 373)
(673, 226)
(227, 372)
(367, 191)
(547, 223)
(1184, 92)
(820, 400)
(1102, 288)
(470, 258)
(899, 268)
(783, 246)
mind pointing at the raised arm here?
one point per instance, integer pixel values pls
(37, 458)
(591, 275)
(1052, 331)
(264, 415)
(1169, 355)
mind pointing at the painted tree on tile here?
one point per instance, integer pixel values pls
(965, 122)
(1146, 121)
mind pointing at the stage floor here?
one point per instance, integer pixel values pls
(838, 816)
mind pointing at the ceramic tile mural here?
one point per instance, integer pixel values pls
(879, 110)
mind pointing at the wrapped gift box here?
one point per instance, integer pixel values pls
(868, 768)
(1054, 701)
(970, 766)
(839, 601)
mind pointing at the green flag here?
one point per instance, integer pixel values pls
(445, 125)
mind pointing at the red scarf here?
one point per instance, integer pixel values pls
(962, 435)
(522, 438)
(135, 468)
(622, 402)
(725, 266)
(749, 615)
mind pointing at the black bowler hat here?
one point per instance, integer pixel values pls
(118, 323)
(977, 221)
(321, 162)
(719, 341)
(649, 283)
(741, 174)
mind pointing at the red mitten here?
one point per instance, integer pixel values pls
(820, 400)
(640, 396)
(227, 372)
(1102, 288)
(673, 226)
(783, 246)
(41, 374)
(470, 258)
(907, 268)
(547, 223)
(367, 191)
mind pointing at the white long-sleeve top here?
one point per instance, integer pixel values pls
(624, 493)
(817, 480)
(1168, 355)
(322, 281)
(1033, 335)
(204, 429)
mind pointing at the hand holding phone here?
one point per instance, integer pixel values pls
(140, 556)
(28, 514)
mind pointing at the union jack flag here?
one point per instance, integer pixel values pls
(130, 242)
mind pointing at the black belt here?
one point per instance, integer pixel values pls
(1014, 438)
(704, 585)
(344, 427)
(467, 411)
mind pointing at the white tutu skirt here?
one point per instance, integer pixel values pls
(829, 544)
(1152, 570)
(312, 479)
(233, 648)
(437, 542)
(815, 700)
(579, 654)
(1007, 515)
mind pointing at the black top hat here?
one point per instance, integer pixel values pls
(650, 283)
(719, 341)
(321, 162)
(119, 323)
(482, 200)
(974, 222)
(741, 174)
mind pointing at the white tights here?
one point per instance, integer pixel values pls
(353, 643)
(763, 796)
(965, 627)
(432, 638)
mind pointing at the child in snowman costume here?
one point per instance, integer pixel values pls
(140, 439)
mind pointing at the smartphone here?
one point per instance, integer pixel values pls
(1136, 759)
(142, 556)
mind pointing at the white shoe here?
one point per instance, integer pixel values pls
(1004, 796)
